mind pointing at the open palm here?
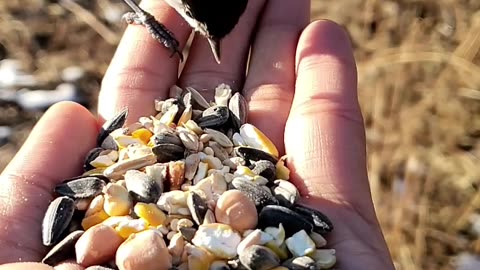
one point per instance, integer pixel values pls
(301, 89)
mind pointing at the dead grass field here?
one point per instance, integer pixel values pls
(419, 87)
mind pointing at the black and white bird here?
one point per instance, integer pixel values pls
(213, 19)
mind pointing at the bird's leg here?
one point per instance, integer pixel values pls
(155, 28)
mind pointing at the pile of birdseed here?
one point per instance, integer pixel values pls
(193, 187)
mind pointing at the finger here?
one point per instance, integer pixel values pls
(23, 266)
(203, 73)
(325, 144)
(270, 84)
(54, 151)
(142, 68)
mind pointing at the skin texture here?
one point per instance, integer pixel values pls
(301, 88)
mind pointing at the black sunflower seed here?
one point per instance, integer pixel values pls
(166, 138)
(273, 215)
(166, 152)
(64, 250)
(56, 219)
(257, 194)
(141, 187)
(321, 222)
(198, 208)
(250, 153)
(214, 117)
(115, 123)
(82, 187)
(266, 169)
(259, 258)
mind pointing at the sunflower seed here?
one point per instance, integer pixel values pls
(166, 152)
(141, 187)
(321, 222)
(189, 140)
(273, 215)
(83, 187)
(266, 169)
(198, 208)
(259, 196)
(219, 137)
(188, 233)
(200, 101)
(92, 154)
(257, 257)
(115, 123)
(214, 116)
(285, 192)
(238, 110)
(254, 154)
(56, 220)
(218, 151)
(64, 250)
(166, 137)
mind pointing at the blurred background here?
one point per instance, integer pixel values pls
(419, 88)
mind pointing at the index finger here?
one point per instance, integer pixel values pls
(142, 69)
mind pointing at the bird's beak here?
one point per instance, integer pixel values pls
(215, 45)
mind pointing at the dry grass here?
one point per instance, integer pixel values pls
(419, 79)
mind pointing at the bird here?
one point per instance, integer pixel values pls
(213, 19)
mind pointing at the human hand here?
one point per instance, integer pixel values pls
(301, 89)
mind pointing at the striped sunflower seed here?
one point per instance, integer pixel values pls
(62, 251)
(83, 187)
(56, 219)
(115, 123)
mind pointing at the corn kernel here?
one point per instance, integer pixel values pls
(143, 134)
(186, 115)
(128, 227)
(255, 138)
(244, 171)
(117, 201)
(282, 171)
(300, 244)
(150, 213)
(281, 250)
(94, 219)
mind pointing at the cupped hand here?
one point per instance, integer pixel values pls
(300, 83)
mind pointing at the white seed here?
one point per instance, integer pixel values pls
(219, 239)
(300, 244)
(324, 258)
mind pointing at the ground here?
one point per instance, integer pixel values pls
(419, 88)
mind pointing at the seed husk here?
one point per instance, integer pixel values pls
(213, 117)
(141, 187)
(219, 137)
(92, 154)
(257, 257)
(166, 152)
(64, 250)
(191, 165)
(197, 206)
(250, 153)
(115, 123)
(273, 215)
(118, 169)
(57, 218)
(238, 110)
(83, 187)
(321, 222)
(259, 196)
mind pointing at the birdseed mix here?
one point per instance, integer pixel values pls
(193, 187)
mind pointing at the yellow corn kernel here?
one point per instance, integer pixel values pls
(255, 138)
(94, 219)
(150, 213)
(244, 171)
(282, 171)
(198, 263)
(117, 201)
(143, 134)
(128, 227)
